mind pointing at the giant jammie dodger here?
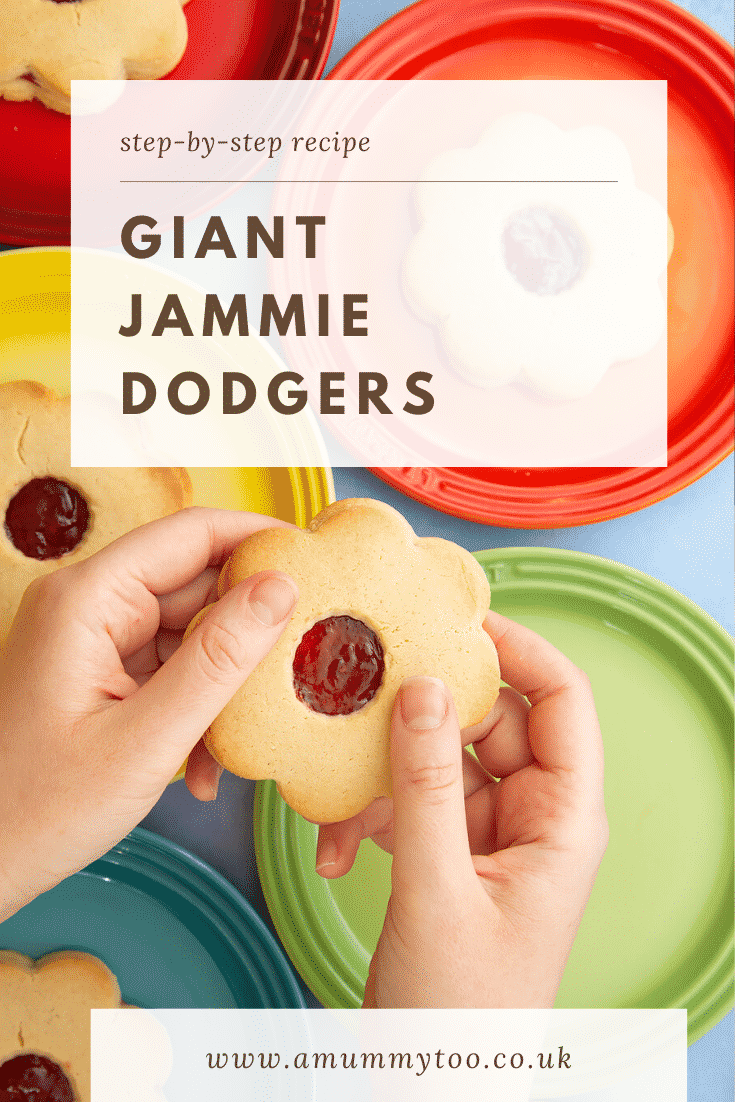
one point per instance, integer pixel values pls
(52, 514)
(45, 1024)
(376, 605)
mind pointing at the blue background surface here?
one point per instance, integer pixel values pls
(686, 541)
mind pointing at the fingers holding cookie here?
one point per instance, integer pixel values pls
(166, 568)
(224, 645)
(203, 773)
(500, 740)
(377, 605)
(500, 744)
(338, 843)
(173, 553)
(182, 604)
(563, 728)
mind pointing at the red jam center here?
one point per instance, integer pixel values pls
(338, 667)
(543, 250)
(33, 1077)
(46, 519)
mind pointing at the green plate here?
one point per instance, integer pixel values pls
(658, 929)
(173, 931)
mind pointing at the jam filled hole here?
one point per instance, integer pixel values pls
(29, 1076)
(544, 250)
(46, 519)
(338, 666)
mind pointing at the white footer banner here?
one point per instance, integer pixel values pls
(382, 1055)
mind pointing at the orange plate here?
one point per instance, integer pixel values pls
(604, 39)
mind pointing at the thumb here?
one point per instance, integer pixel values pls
(430, 844)
(225, 644)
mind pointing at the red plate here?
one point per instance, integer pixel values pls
(228, 40)
(605, 39)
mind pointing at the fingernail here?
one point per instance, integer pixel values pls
(326, 854)
(423, 703)
(272, 600)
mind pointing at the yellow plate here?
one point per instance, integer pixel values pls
(35, 335)
(35, 301)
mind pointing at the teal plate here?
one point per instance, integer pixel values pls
(173, 931)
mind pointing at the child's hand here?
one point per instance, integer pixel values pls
(490, 878)
(99, 702)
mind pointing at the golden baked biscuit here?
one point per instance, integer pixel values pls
(34, 461)
(376, 605)
(44, 1021)
(45, 44)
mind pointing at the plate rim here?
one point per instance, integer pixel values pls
(387, 44)
(227, 913)
(317, 58)
(452, 491)
(276, 826)
(146, 853)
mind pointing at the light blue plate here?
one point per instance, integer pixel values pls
(173, 931)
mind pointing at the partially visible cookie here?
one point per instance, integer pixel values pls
(52, 514)
(376, 605)
(45, 44)
(45, 1024)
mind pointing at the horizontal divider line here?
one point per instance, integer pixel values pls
(369, 181)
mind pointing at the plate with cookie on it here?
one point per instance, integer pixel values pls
(54, 514)
(147, 925)
(607, 41)
(44, 44)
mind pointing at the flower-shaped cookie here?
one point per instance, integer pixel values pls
(376, 605)
(52, 514)
(548, 282)
(44, 1022)
(45, 44)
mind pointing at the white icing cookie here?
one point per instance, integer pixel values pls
(549, 283)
